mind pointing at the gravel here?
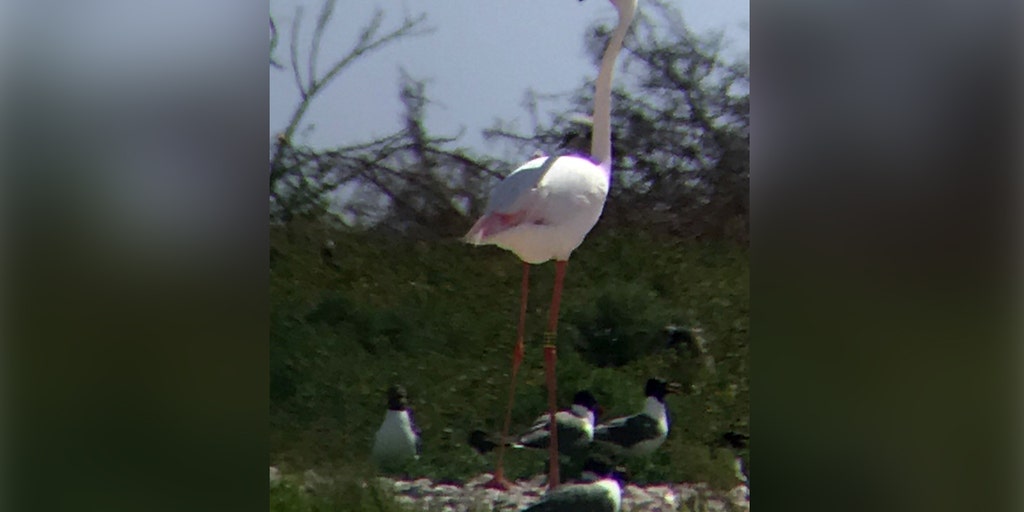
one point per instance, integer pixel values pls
(473, 496)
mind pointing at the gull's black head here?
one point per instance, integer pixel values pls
(586, 399)
(481, 441)
(621, 474)
(600, 466)
(734, 440)
(658, 388)
(679, 336)
(398, 399)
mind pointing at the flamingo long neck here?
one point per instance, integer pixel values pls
(601, 143)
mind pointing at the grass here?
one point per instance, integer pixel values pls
(439, 317)
(345, 495)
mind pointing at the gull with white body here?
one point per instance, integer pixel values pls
(575, 427)
(397, 440)
(602, 493)
(642, 433)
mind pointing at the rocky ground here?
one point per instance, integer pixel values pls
(472, 496)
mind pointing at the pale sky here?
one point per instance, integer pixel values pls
(478, 63)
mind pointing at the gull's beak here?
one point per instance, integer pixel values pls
(674, 388)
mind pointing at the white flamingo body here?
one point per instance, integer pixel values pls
(543, 212)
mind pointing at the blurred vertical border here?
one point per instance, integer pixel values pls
(134, 345)
(886, 299)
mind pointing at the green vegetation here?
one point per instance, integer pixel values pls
(439, 317)
(344, 494)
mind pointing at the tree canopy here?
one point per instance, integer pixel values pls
(681, 141)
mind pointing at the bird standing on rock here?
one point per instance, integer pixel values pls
(738, 442)
(642, 433)
(398, 440)
(602, 494)
(575, 429)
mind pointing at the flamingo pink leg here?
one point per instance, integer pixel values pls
(499, 481)
(550, 358)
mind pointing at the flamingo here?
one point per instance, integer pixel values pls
(542, 211)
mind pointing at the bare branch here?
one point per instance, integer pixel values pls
(493, 133)
(295, 54)
(384, 141)
(318, 32)
(469, 162)
(273, 43)
(367, 43)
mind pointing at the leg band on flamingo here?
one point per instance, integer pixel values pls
(550, 358)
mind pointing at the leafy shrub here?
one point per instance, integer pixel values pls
(624, 322)
(338, 494)
(373, 328)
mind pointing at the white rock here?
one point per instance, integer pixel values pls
(446, 489)
(478, 480)
(535, 482)
(402, 486)
(739, 494)
(422, 494)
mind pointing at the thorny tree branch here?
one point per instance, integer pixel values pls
(296, 23)
(318, 32)
(273, 44)
(368, 41)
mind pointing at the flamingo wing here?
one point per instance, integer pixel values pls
(512, 200)
(508, 195)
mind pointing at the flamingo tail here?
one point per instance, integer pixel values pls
(491, 224)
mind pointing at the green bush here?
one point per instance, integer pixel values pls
(624, 322)
(338, 494)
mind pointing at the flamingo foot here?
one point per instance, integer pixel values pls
(498, 481)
